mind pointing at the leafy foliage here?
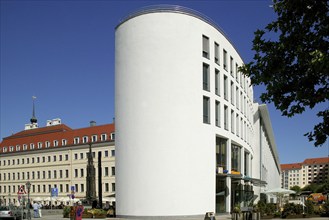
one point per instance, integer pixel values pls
(292, 61)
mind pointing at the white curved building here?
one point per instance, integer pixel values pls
(185, 134)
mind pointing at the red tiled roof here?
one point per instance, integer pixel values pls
(321, 160)
(55, 132)
(291, 166)
(309, 161)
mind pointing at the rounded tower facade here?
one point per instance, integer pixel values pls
(178, 92)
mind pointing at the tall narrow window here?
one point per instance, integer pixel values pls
(237, 97)
(221, 153)
(225, 88)
(217, 82)
(232, 121)
(217, 113)
(216, 53)
(205, 76)
(205, 46)
(225, 117)
(232, 93)
(236, 72)
(237, 124)
(225, 59)
(236, 158)
(206, 105)
(231, 66)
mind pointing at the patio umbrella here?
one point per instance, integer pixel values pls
(279, 193)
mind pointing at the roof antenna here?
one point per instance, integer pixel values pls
(33, 119)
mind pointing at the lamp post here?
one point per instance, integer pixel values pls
(28, 186)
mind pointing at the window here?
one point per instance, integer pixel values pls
(81, 155)
(106, 153)
(107, 187)
(85, 139)
(221, 152)
(225, 117)
(225, 87)
(112, 136)
(66, 173)
(24, 147)
(82, 187)
(39, 145)
(75, 156)
(60, 157)
(11, 148)
(55, 174)
(112, 153)
(43, 174)
(76, 140)
(103, 137)
(94, 138)
(237, 124)
(217, 113)
(232, 121)
(64, 142)
(106, 171)
(231, 66)
(113, 171)
(235, 157)
(225, 59)
(66, 157)
(67, 187)
(49, 158)
(31, 146)
(27, 160)
(232, 93)
(49, 174)
(32, 159)
(75, 172)
(205, 77)
(216, 53)
(205, 46)
(217, 82)
(237, 97)
(81, 173)
(38, 159)
(47, 144)
(206, 107)
(55, 158)
(55, 143)
(18, 148)
(113, 187)
(76, 188)
(61, 174)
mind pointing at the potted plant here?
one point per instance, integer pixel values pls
(236, 213)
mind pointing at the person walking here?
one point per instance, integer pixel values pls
(36, 209)
(79, 211)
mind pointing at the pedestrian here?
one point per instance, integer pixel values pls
(79, 211)
(72, 212)
(36, 209)
(40, 213)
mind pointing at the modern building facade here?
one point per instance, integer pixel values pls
(189, 137)
(311, 170)
(55, 156)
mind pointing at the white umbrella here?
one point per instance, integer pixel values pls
(280, 192)
(37, 199)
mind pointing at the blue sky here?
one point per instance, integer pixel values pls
(62, 52)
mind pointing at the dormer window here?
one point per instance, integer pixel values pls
(47, 144)
(85, 139)
(94, 138)
(64, 142)
(103, 137)
(18, 148)
(24, 147)
(112, 136)
(76, 140)
(31, 146)
(55, 143)
(39, 145)
(11, 148)
(4, 149)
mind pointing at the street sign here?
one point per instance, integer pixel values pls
(21, 190)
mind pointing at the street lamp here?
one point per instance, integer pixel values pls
(28, 186)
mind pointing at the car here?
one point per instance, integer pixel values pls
(12, 212)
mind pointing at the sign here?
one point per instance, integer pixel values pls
(21, 190)
(54, 192)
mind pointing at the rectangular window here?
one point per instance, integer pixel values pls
(232, 121)
(225, 117)
(66, 173)
(205, 46)
(106, 153)
(225, 88)
(85, 139)
(66, 157)
(67, 187)
(49, 174)
(76, 188)
(39, 145)
(103, 137)
(113, 187)
(106, 171)
(75, 172)
(216, 53)
(55, 143)
(55, 174)
(94, 138)
(206, 108)
(47, 144)
(237, 124)
(231, 66)
(81, 173)
(232, 93)
(217, 113)
(81, 155)
(76, 140)
(64, 142)
(82, 187)
(60, 157)
(112, 153)
(221, 154)
(205, 77)
(236, 158)
(55, 158)
(61, 174)
(75, 156)
(107, 187)
(217, 82)
(225, 59)
(113, 171)
(112, 136)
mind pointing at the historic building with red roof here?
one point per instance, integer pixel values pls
(56, 156)
(311, 170)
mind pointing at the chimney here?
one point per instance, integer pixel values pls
(92, 123)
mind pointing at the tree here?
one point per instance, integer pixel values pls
(292, 61)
